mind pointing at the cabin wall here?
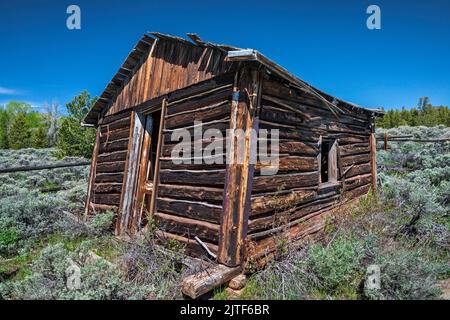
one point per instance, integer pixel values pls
(189, 195)
(109, 156)
(292, 203)
(165, 67)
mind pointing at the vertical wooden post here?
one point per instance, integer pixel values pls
(162, 122)
(373, 160)
(385, 147)
(92, 173)
(333, 162)
(239, 176)
(129, 186)
(142, 176)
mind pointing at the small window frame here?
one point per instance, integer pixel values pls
(332, 161)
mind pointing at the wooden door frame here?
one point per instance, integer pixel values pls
(123, 225)
(144, 160)
(130, 216)
(142, 174)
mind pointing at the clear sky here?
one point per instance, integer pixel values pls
(324, 42)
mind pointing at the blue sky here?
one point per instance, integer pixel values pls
(324, 42)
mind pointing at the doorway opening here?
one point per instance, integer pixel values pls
(147, 167)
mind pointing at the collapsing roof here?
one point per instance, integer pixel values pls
(232, 54)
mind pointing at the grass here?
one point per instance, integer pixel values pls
(36, 238)
(380, 229)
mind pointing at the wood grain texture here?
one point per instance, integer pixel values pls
(166, 67)
(239, 176)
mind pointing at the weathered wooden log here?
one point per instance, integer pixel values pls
(206, 163)
(359, 191)
(118, 145)
(299, 229)
(115, 117)
(109, 199)
(359, 169)
(280, 200)
(291, 132)
(218, 125)
(189, 146)
(356, 159)
(200, 100)
(261, 226)
(156, 165)
(289, 163)
(107, 188)
(112, 157)
(284, 181)
(97, 208)
(117, 125)
(357, 181)
(109, 177)
(239, 177)
(110, 136)
(275, 115)
(202, 282)
(194, 193)
(45, 167)
(191, 209)
(213, 112)
(287, 106)
(87, 207)
(298, 148)
(187, 227)
(373, 161)
(238, 282)
(275, 88)
(110, 167)
(193, 177)
(353, 149)
(191, 247)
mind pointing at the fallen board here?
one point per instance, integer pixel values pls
(206, 280)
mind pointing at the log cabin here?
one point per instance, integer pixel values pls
(228, 210)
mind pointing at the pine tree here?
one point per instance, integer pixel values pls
(4, 124)
(425, 115)
(19, 133)
(73, 139)
(39, 138)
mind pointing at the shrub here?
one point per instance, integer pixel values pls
(47, 281)
(39, 138)
(102, 222)
(34, 215)
(317, 271)
(8, 238)
(149, 265)
(337, 264)
(407, 274)
(72, 139)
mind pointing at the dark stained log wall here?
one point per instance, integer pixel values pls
(189, 198)
(112, 146)
(292, 201)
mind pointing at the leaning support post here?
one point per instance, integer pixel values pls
(373, 160)
(385, 145)
(123, 225)
(158, 155)
(92, 173)
(239, 173)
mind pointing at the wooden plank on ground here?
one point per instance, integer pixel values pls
(206, 280)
